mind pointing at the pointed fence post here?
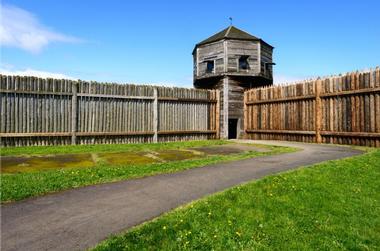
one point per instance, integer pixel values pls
(217, 114)
(318, 111)
(245, 118)
(155, 115)
(74, 111)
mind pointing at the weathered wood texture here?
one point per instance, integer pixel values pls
(210, 52)
(225, 55)
(236, 49)
(266, 53)
(37, 111)
(343, 109)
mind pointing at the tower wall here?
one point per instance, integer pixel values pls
(232, 61)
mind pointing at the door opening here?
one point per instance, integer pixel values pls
(232, 128)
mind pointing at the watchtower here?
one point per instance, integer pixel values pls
(232, 60)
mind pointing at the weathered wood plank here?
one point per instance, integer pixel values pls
(155, 115)
(191, 100)
(353, 92)
(74, 110)
(348, 110)
(318, 111)
(35, 134)
(188, 132)
(351, 134)
(30, 92)
(282, 132)
(217, 114)
(281, 100)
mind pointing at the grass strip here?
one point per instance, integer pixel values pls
(44, 150)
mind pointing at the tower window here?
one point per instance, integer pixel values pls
(243, 63)
(210, 66)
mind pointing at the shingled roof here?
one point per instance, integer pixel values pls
(230, 32)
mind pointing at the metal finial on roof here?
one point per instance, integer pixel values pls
(230, 18)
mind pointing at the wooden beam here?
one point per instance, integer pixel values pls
(114, 96)
(259, 56)
(187, 132)
(306, 97)
(225, 56)
(282, 132)
(35, 134)
(187, 100)
(351, 134)
(81, 134)
(36, 92)
(115, 133)
(197, 61)
(225, 107)
(353, 92)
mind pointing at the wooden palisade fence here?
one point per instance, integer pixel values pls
(342, 109)
(36, 111)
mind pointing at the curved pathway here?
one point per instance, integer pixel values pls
(78, 219)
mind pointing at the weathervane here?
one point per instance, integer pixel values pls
(230, 18)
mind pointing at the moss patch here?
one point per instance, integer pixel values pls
(175, 155)
(43, 163)
(20, 164)
(125, 158)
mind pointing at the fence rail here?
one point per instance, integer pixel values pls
(37, 111)
(342, 109)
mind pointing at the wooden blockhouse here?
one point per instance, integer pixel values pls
(232, 61)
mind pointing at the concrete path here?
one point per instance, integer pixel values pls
(80, 218)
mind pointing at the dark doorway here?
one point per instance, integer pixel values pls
(232, 128)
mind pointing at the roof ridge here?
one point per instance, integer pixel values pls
(228, 31)
(231, 32)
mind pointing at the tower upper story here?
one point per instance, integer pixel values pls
(233, 52)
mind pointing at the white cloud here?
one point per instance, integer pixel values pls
(172, 84)
(283, 79)
(20, 28)
(35, 73)
(8, 69)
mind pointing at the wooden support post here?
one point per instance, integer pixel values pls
(225, 107)
(225, 56)
(259, 55)
(245, 118)
(74, 113)
(318, 111)
(217, 114)
(155, 115)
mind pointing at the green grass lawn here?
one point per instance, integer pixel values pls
(37, 150)
(334, 205)
(19, 186)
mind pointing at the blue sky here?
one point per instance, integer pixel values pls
(151, 41)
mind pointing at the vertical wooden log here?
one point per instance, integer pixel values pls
(318, 112)
(155, 115)
(217, 114)
(225, 107)
(74, 101)
(245, 118)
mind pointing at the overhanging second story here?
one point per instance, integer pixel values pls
(233, 52)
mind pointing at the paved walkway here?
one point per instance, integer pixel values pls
(80, 218)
